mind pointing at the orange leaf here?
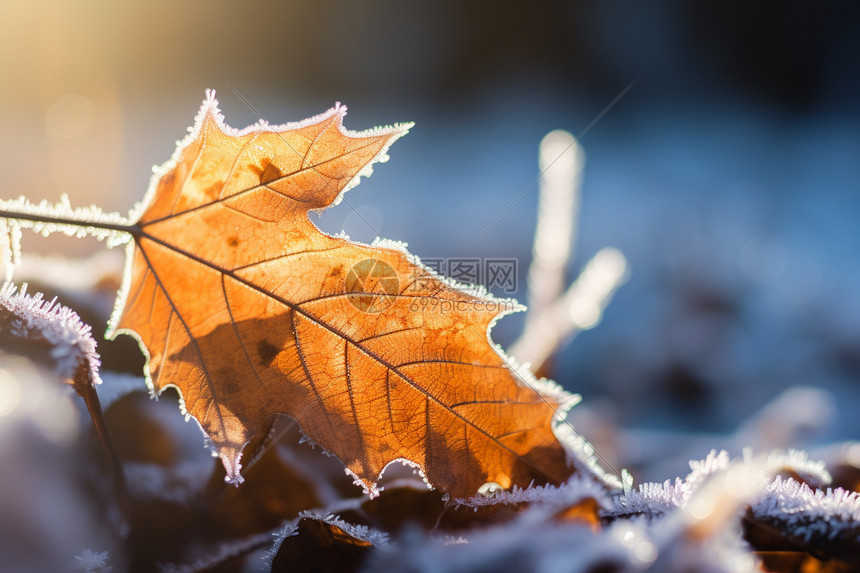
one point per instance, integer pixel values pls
(241, 303)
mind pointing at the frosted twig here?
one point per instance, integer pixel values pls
(46, 218)
(580, 308)
(553, 317)
(561, 160)
(36, 328)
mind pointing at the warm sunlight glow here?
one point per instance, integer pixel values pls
(69, 116)
(10, 393)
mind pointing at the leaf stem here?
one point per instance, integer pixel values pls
(133, 230)
(84, 386)
(91, 398)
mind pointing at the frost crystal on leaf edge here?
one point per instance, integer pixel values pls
(378, 539)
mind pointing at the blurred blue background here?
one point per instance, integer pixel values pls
(728, 174)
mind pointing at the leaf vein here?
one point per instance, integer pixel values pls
(207, 376)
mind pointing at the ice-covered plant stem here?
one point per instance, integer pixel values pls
(46, 218)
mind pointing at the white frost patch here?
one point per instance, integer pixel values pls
(805, 511)
(702, 469)
(568, 493)
(711, 543)
(808, 513)
(288, 530)
(655, 499)
(798, 461)
(91, 561)
(71, 340)
(545, 546)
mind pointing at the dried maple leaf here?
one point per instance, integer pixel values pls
(249, 310)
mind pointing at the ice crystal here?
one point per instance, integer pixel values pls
(706, 507)
(567, 493)
(655, 499)
(798, 462)
(91, 561)
(810, 514)
(288, 530)
(702, 469)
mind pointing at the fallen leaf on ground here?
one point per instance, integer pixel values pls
(323, 543)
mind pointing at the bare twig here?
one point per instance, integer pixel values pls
(553, 317)
(561, 161)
